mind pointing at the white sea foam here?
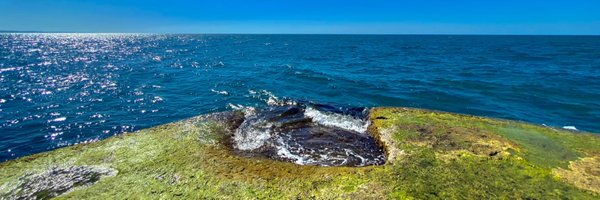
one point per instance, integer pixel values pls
(157, 99)
(270, 99)
(573, 128)
(220, 92)
(235, 106)
(309, 158)
(248, 110)
(283, 151)
(337, 120)
(252, 134)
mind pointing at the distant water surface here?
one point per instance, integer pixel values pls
(62, 89)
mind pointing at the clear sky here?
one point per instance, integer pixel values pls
(305, 16)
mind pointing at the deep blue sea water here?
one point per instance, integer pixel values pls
(62, 89)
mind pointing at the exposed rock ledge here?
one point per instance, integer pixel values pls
(430, 155)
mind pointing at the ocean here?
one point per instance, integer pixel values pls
(63, 89)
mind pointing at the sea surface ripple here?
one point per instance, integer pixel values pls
(63, 89)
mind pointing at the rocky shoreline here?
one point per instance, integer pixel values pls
(429, 155)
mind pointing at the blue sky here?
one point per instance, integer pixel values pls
(305, 16)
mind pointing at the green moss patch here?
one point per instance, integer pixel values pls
(467, 157)
(539, 148)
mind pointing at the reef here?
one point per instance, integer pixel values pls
(427, 155)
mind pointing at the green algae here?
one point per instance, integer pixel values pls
(440, 160)
(478, 178)
(431, 155)
(541, 149)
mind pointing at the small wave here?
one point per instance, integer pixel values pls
(157, 99)
(248, 110)
(220, 92)
(97, 116)
(271, 99)
(573, 128)
(235, 106)
(337, 120)
(60, 119)
(10, 69)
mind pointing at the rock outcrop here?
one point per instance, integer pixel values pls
(430, 155)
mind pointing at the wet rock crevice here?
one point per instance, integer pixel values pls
(308, 135)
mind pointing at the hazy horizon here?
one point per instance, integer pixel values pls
(241, 33)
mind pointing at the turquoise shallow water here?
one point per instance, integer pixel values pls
(62, 89)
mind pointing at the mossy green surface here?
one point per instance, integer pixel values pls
(432, 155)
(452, 156)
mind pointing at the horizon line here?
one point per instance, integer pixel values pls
(242, 33)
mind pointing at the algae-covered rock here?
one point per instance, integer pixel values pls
(54, 181)
(430, 155)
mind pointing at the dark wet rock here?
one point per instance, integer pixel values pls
(287, 133)
(54, 182)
